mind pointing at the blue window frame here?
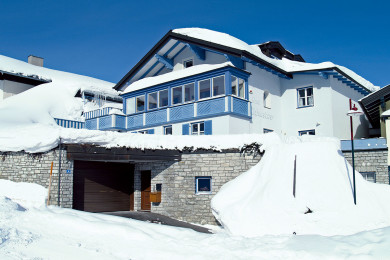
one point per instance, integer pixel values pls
(307, 132)
(203, 185)
(168, 130)
(265, 130)
(305, 97)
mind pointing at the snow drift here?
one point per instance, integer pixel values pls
(261, 200)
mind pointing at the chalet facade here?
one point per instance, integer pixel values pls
(190, 83)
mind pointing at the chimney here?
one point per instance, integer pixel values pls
(34, 60)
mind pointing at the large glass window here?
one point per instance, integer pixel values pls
(130, 106)
(203, 185)
(218, 86)
(140, 103)
(152, 100)
(163, 98)
(238, 87)
(204, 88)
(177, 95)
(305, 97)
(189, 92)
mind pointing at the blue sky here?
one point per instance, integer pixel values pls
(105, 39)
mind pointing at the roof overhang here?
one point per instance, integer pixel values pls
(371, 103)
(15, 77)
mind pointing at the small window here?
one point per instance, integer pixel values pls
(238, 87)
(265, 130)
(144, 132)
(307, 132)
(130, 106)
(163, 98)
(204, 88)
(189, 92)
(140, 103)
(188, 63)
(177, 95)
(305, 97)
(197, 128)
(168, 130)
(152, 100)
(219, 86)
(369, 176)
(267, 99)
(203, 185)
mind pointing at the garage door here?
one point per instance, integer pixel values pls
(103, 186)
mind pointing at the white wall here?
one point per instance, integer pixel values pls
(10, 88)
(1, 90)
(211, 58)
(318, 117)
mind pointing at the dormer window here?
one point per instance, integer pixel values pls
(188, 63)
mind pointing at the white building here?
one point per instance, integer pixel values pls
(197, 81)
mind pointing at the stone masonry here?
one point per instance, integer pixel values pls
(178, 198)
(371, 161)
(35, 168)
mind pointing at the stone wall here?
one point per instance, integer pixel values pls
(371, 161)
(179, 200)
(35, 168)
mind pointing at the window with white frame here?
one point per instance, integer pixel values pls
(267, 99)
(140, 103)
(238, 87)
(307, 132)
(197, 128)
(163, 98)
(152, 100)
(305, 97)
(130, 105)
(203, 185)
(189, 92)
(177, 95)
(369, 176)
(204, 88)
(168, 130)
(188, 63)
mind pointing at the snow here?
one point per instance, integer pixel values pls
(38, 138)
(174, 75)
(43, 102)
(285, 64)
(40, 232)
(386, 113)
(323, 185)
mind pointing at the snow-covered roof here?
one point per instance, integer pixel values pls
(174, 75)
(284, 64)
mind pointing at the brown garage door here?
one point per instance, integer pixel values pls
(103, 186)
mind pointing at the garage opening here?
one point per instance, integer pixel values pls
(103, 186)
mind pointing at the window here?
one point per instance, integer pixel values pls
(152, 100)
(148, 131)
(189, 92)
(265, 130)
(143, 132)
(140, 103)
(197, 128)
(163, 98)
(238, 87)
(305, 97)
(188, 63)
(218, 85)
(203, 185)
(204, 88)
(177, 95)
(130, 105)
(267, 99)
(369, 176)
(168, 130)
(307, 132)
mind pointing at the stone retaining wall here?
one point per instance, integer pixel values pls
(35, 168)
(371, 161)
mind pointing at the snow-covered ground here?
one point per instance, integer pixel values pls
(28, 232)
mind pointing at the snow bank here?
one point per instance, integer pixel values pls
(25, 194)
(41, 138)
(55, 233)
(285, 64)
(261, 200)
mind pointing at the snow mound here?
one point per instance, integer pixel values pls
(25, 194)
(284, 64)
(260, 201)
